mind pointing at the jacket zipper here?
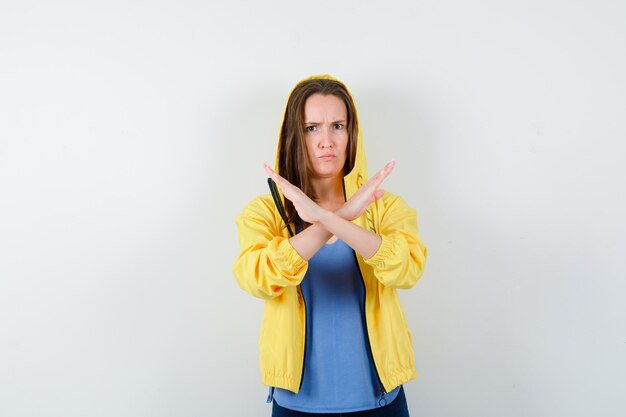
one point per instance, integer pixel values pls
(302, 301)
(382, 400)
(301, 297)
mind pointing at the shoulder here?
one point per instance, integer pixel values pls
(392, 207)
(390, 200)
(262, 203)
(261, 208)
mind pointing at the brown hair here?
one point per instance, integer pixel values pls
(293, 161)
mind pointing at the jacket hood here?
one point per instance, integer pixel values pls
(358, 175)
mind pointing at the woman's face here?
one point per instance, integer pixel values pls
(326, 135)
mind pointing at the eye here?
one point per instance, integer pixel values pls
(310, 128)
(338, 126)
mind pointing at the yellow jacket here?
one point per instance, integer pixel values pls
(268, 267)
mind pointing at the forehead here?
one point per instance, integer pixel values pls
(320, 107)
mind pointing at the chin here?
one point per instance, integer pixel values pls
(329, 174)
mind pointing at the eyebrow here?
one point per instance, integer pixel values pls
(317, 123)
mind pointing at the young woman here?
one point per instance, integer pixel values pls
(327, 257)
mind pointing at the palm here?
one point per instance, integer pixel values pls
(307, 209)
(367, 194)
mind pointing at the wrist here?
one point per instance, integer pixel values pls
(324, 216)
(340, 212)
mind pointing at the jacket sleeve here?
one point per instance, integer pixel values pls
(401, 257)
(267, 263)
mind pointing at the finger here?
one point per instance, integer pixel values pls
(383, 173)
(377, 194)
(388, 168)
(274, 175)
(269, 170)
(290, 191)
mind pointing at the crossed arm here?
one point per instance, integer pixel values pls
(325, 223)
(269, 262)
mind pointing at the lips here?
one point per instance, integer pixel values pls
(328, 156)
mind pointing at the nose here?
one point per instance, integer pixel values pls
(326, 140)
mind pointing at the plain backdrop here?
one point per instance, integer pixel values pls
(133, 132)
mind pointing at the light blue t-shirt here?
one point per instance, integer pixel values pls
(339, 376)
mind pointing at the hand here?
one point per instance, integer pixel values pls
(366, 195)
(307, 209)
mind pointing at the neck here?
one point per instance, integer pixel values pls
(328, 189)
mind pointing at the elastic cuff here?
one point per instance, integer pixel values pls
(382, 254)
(291, 256)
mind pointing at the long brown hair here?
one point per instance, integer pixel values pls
(293, 161)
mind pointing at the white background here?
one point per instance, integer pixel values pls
(133, 132)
